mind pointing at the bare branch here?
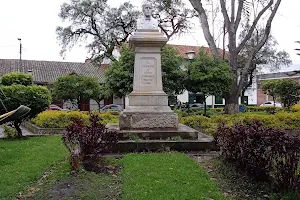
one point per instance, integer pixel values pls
(248, 36)
(225, 14)
(239, 14)
(205, 26)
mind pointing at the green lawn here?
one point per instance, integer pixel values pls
(23, 162)
(166, 176)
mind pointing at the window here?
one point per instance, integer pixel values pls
(245, 100)
(218, 100)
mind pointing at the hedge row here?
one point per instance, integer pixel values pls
(279, 121)
(62, 119)
(266, 154)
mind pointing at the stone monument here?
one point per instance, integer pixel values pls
(148, 103)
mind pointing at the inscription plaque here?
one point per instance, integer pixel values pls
(148, 72)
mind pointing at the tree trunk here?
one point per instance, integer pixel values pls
(17, 124)
(232, 102)
(79, 103)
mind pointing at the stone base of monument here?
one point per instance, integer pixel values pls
(182, 139)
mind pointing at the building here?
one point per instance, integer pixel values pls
(211, 101)
(261, 97)
(46, 72)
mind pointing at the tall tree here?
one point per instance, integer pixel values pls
(77, 87)
(232, 23)
(119, 77)
(268, 57)
(269, 88)
(97, 24)
(286, 90)
(173, 16)
(208, 76)
(103, 28)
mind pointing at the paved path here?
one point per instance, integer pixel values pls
(24, 132)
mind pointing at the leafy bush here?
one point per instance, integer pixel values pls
(88, 142)
(201, 123)
(62, 119)
(59, 119)
(38, 98)
(295, 108)
(262, 108)
(9, 132)
(19, 78)
(217, 109)
(267, 154)
(280, 121)
(109, 117)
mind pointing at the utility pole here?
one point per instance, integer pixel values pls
(20, 54)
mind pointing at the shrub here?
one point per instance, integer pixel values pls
(88, 142)
(109, 117)
(201, 123)
(295, 108)
(19, 78)
(217, 109)
(38, 98)
(59, 119)
(9, 132)
(266, 154)
(62, 119)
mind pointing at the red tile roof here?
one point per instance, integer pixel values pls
(182, 49)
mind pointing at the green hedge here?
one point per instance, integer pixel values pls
(62, 119)
(279, 121)
(38, 98)
(18, 78)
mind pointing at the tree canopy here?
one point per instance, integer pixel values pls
(232, 14)
(208, 76)
(119, 77)
(287, 91)
(77, 87)
(17, 78)
(102, 28)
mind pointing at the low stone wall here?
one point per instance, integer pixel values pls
(36, 130)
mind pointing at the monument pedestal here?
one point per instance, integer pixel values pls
(148, 103)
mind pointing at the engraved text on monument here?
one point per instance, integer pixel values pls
(148, 72)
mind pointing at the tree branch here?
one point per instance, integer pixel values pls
(225, 14)
(239, 14)
(203, 18)
(248, 36)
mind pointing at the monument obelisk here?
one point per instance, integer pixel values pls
(148, 103)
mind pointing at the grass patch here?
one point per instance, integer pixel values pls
(166, 176)
(23, 162)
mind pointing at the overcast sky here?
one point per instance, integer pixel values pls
(35, 22)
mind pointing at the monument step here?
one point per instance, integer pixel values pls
(183, 132)
(203, 144)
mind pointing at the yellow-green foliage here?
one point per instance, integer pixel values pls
(58, 119)
(261, 108)
(61, 119)
(200, 123)
(217, 109)
(280, 121)
(295, 108)
(109, 117)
